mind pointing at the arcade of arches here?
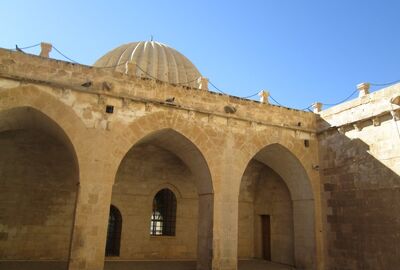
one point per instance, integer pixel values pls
(93, 176)
(41, 181)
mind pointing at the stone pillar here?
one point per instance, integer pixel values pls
(45, 49)
(205, 232)
(395, 100)
(226, 209)
(203, 83)
(363, 89)
(130, 68)
(317, 107)
(91, 220)
(304, 234)
(264, 96)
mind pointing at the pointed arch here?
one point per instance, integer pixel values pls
(47, 142)
(289, 167)
(175, 133)
(32, 107)
(189, 142)
(114, 231)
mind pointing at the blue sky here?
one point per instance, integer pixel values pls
(300, 51)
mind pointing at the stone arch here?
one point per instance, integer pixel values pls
(167, 185)
(65, 123)
(27, 110)
(289, 167)
(285, 141)
(282, 156)
(172, 124)
(186, 140)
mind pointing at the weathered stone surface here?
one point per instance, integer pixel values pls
(70, 148)
(360, 173)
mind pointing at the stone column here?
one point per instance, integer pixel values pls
(363, 89)
(264, 96)
(225, 233)
(203, 83)
(91, 220)
(304, 234)
(45, 49)
(317, 107)
(205, 232)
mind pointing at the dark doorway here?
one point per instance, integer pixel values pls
(114, 232)
(266, 236)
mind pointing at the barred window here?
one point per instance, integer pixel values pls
(113, 232)
(163, 217)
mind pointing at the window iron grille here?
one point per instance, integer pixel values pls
(163, 218)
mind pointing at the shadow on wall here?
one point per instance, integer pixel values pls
(38, 187)
(363, 199)
(276, 209)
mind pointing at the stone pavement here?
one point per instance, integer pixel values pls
(138, 265)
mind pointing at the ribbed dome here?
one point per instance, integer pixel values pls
(153, 60)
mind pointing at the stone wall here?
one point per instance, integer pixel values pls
(144, 171)
(133, 97)
(215, 146)
(360, 168)
(37, 196)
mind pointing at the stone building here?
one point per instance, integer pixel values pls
(133, 159)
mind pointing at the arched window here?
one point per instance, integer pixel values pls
(114, 232)
(163, 217)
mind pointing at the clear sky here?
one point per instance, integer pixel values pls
(301, 51)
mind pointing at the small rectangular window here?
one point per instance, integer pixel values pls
(306, 143)
(109, 109)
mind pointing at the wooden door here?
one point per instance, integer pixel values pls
(266, 236)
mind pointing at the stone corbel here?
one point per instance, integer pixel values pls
(376, 121)
(342, 130)
(395, 114)
(357, 126)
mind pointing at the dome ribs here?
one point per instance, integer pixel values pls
(153, 60)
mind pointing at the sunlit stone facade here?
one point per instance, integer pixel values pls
(249, 180)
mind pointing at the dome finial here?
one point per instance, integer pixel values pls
(151, 37)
